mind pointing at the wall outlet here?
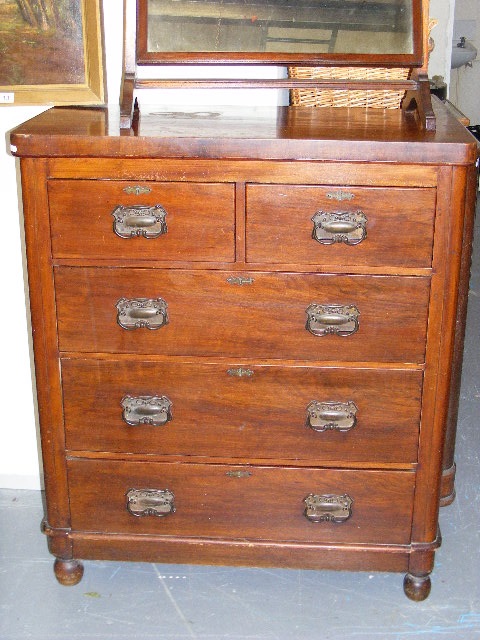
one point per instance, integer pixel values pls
(7, 98)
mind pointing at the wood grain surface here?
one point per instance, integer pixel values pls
(199, 218)
(260, 415)
(399, 225)
(265, 319)
(267, 504)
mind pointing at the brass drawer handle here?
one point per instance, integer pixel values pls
(328, 507)
(349, 227)
(138, 313)
(153, 410)
(150, 502)
(335, 416)
(139, 220)
(338, 319)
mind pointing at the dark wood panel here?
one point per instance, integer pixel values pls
(199, 219)
(264, 318)
(44, 332)
(448, 476)
(263, 414)
(100, 546)
(283, 133)
(261, 171)
(399, 225)
(264, 503)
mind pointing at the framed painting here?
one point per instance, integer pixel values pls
(51, 52)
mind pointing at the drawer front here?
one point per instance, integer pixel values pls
(321, 414)
(223, 501)
(147, 220)
(340, 225)
(288, 316)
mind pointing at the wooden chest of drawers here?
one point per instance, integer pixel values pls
(244, 332)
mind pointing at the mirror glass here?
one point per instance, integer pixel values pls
(308, 27)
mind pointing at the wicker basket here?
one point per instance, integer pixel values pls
(383, 99)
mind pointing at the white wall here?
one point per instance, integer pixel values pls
(19, 458)
(19, 465)
(465, 81)
(443, 11)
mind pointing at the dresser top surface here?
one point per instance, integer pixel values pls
(284, 133)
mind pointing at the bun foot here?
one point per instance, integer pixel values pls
(68, 572)
(417, 588)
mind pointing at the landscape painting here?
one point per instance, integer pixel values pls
(51, 51)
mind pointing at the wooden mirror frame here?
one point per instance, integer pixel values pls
(413, 59)
(417, 99)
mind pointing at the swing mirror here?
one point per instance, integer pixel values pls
(282, 32)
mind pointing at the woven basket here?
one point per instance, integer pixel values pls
(383, 99)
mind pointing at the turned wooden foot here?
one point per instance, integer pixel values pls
(68, 572)
(417, 587)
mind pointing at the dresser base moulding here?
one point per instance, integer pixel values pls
(258, 553)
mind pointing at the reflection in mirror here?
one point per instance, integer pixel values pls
(286, 26)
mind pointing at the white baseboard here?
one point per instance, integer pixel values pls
(20, 482)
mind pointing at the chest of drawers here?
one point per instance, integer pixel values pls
(244, 329)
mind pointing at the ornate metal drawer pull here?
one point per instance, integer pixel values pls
(349, 227)
(152, 410)
(339, 319)
(150, 502)
(137, 190)
(240, 373)
(137, 313)
(139, 220)
(328, 507)
(336, 416)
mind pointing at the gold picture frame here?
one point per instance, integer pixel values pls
(34, 30)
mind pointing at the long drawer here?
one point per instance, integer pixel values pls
(220, 501)
(317, 414)
(105, 219)
(273, 315)
(340, 225)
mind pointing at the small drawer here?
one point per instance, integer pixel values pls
(272, 315)
(356, 226)
(316, 414)
(177, 221)
(241, 502)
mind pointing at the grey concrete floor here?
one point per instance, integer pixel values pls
(132, 600)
